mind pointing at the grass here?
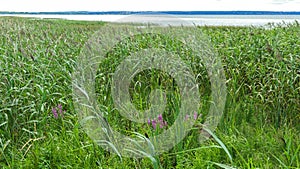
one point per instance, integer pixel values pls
(259, 128)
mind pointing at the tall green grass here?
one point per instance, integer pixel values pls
(260, 127)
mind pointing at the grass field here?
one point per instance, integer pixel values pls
(39, 127)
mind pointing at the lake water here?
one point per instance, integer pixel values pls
(175, 20)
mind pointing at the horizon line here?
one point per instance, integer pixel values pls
(233, 12)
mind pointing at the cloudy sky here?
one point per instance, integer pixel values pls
(148, 5)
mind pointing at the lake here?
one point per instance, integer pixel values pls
(176, 20)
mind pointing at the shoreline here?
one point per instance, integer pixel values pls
(176, 20)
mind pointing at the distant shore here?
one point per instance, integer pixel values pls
(157, 12)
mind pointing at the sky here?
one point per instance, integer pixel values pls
(148, 5)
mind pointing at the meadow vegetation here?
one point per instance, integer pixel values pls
(39, 127)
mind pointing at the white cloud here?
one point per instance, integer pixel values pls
(286, 2)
